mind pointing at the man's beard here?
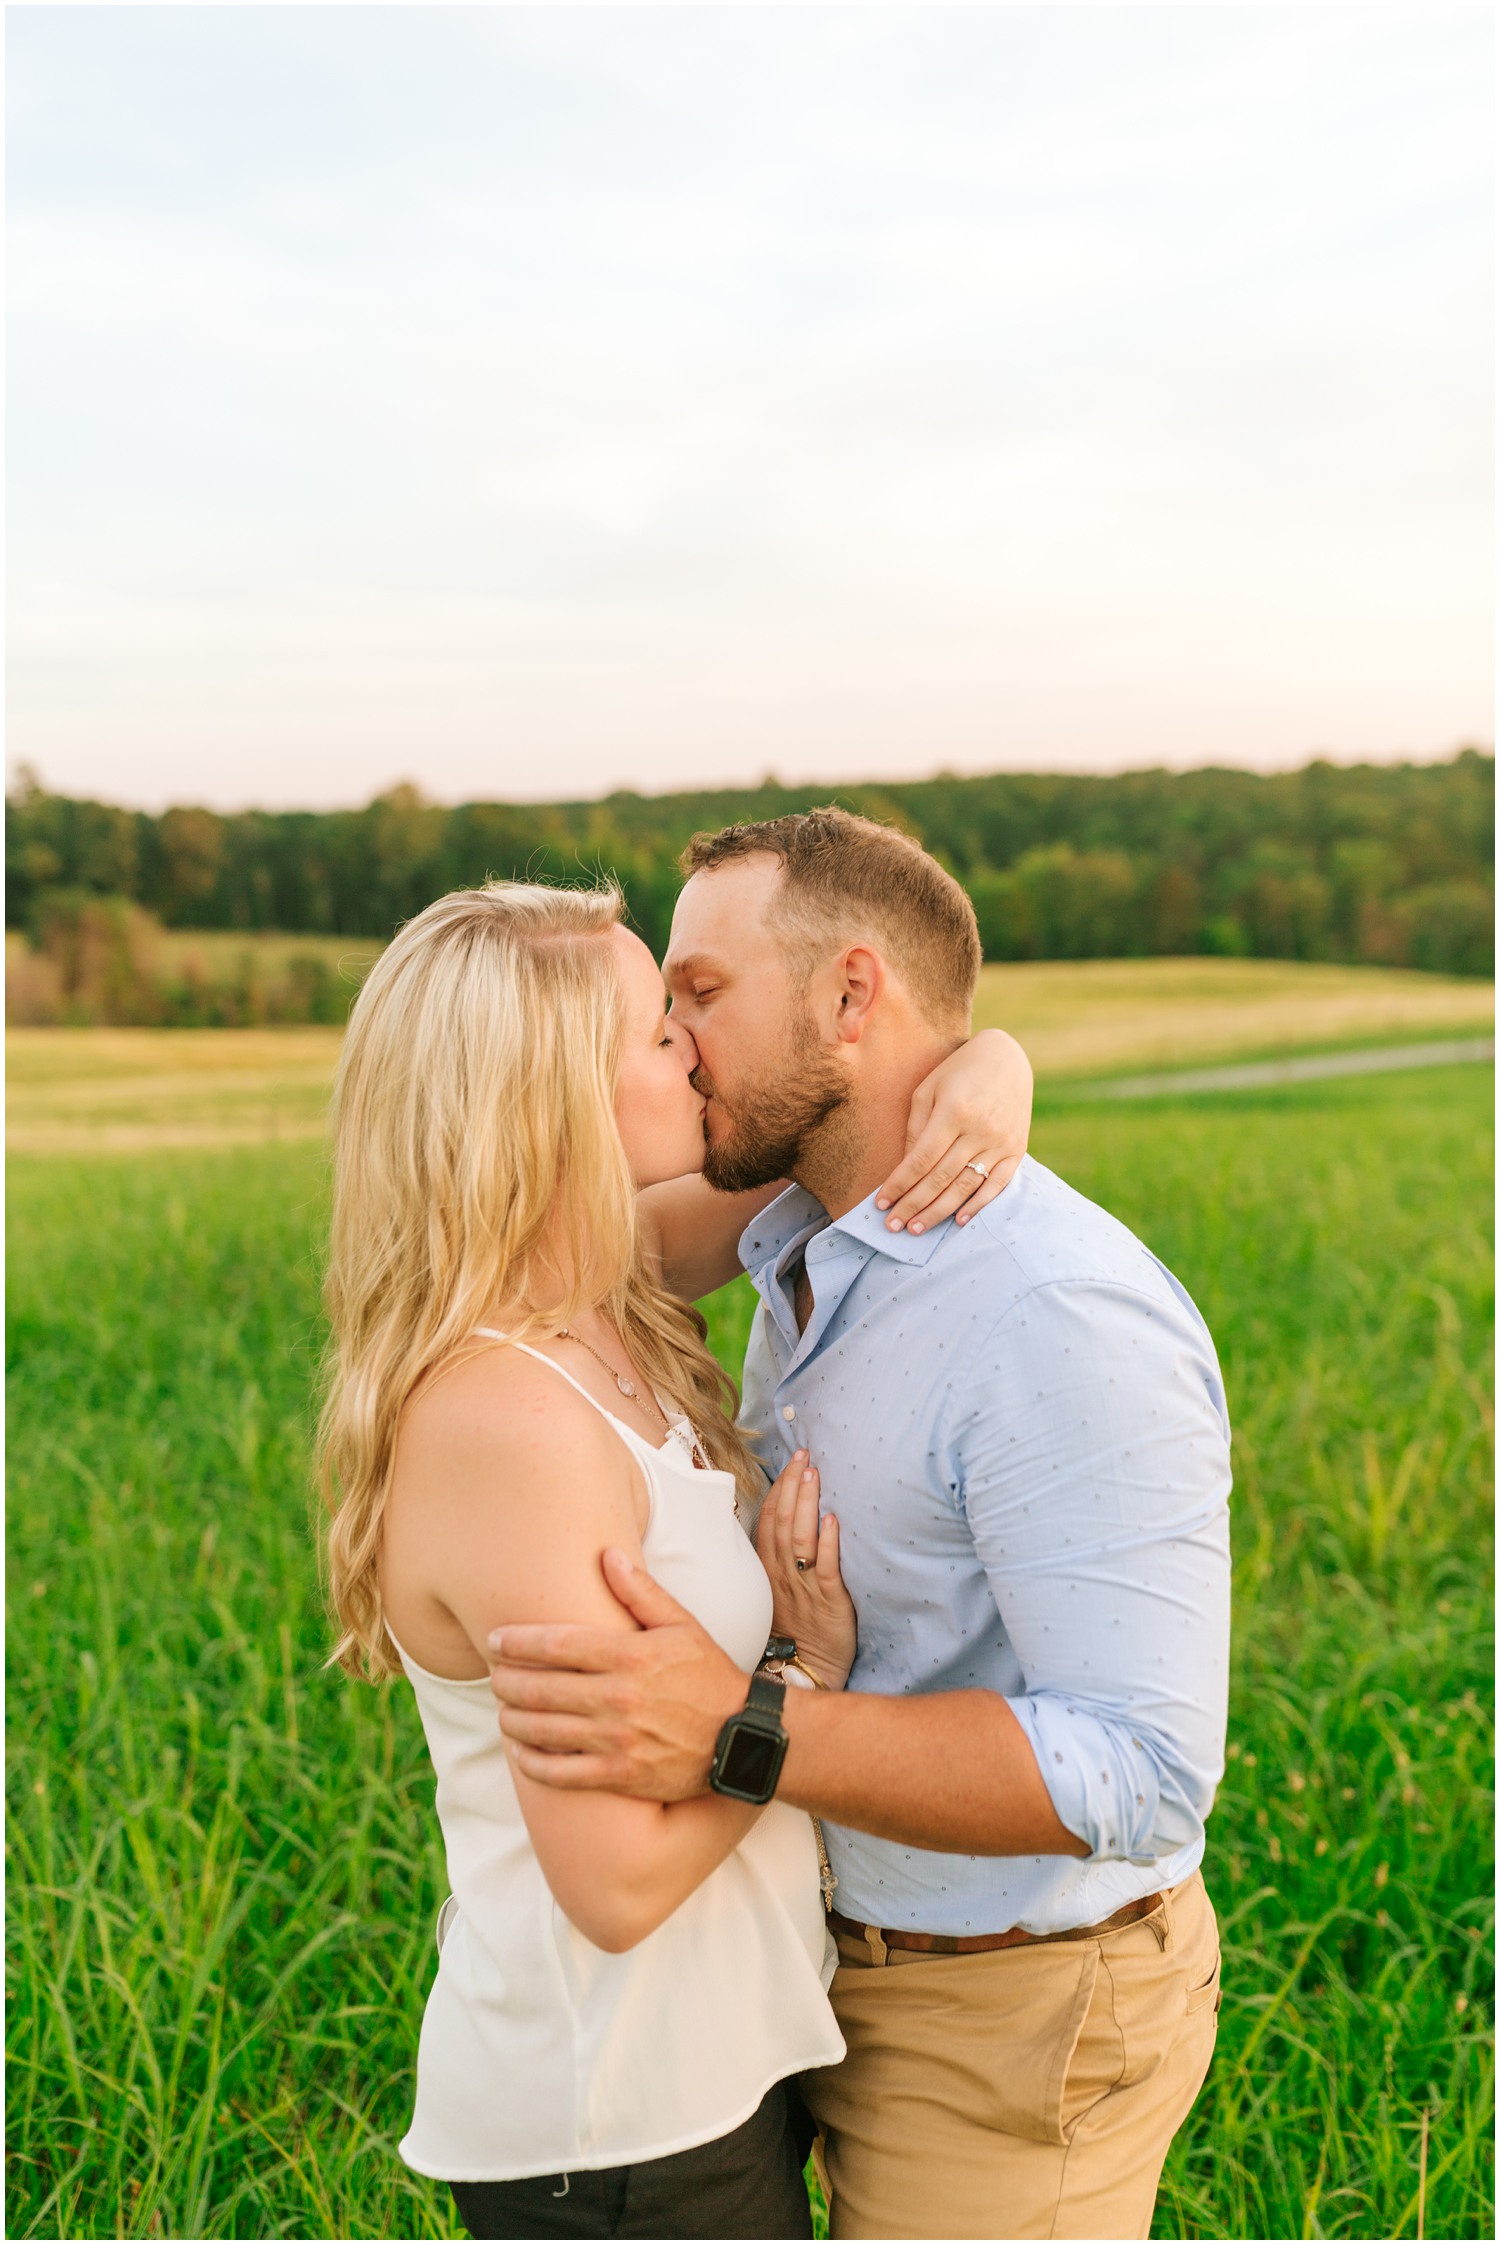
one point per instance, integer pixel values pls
(772, 1127)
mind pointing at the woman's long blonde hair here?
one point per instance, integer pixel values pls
(474, 1131)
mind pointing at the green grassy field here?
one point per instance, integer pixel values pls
(134, 1090)
(223, 1861)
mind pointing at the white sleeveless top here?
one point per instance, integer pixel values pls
(541, 2053)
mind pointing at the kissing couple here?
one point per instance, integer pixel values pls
(849, 1784)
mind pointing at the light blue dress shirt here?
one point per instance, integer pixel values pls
(1021, 1427)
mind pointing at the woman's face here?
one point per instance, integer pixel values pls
(659, 1113)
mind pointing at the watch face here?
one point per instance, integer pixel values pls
(751, 1764)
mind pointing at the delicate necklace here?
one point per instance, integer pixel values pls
(628, 1387)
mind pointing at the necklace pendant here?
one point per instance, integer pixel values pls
(628, 1387)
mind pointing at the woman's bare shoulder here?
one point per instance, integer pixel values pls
(496, 1406)
(506, 1485)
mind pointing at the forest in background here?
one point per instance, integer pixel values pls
(1389, 865)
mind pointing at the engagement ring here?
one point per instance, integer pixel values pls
(978, 1168)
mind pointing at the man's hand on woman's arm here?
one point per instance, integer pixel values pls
(590, 1709)
(974, 1107)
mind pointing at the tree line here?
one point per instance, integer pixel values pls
(1377, 864)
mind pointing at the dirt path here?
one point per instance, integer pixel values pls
(1255, 1075)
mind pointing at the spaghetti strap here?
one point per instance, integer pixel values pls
(489, 1334)
(644, 1464)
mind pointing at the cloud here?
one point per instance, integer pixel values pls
(535, 399)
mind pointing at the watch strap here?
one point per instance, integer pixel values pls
(767, 1697)
(758, 1728)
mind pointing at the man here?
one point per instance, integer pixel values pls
(1020, 1427)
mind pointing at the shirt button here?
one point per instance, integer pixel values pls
(787, 1412)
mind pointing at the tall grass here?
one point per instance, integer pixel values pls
(224, 1866)
(1339, 1247)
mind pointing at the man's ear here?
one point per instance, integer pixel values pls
(860, 986)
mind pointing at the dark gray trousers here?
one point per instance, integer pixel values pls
(746, 2184)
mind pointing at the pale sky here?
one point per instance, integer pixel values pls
(530, 402)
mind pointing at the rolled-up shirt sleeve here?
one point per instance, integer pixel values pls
(1088, 1444)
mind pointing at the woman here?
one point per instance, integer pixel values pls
(624, 1989)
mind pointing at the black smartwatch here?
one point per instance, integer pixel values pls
(752, 1745)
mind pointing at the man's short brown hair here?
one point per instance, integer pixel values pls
(844, 877)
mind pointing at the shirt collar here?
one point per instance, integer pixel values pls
(765, 1240)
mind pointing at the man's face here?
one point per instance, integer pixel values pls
(771, 1079)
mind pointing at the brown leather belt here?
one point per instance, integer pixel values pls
(970, 1944)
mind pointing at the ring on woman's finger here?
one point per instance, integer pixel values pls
(980, 1169)
(802, 1566)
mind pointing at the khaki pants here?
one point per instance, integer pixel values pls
(1026, 2092)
